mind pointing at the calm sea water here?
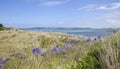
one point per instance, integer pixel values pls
(75, 31)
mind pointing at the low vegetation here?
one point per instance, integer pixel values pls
(32, 50)
(1, 27)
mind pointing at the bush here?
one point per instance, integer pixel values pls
(87, 61)
(44, 41)
(1, 27)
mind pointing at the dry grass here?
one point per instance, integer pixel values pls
(103, 54)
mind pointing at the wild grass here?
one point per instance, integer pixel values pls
(69, 51)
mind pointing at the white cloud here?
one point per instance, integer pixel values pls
(114, 23)
(108, 15)
(49, 2)
(88, 7)
(52, 3)
(106, 19)
(112, 6)
(109, 18)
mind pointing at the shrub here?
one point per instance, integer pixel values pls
(44, 41)
(1, 27)
(87, 61)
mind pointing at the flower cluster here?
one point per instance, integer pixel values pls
(23, 57)
(72, 41)
(3, 61)
(1, 64)
(88, 39)
(37, 51)
(59, 50)
(55, 50)
(99, 38)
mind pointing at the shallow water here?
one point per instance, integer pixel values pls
(75, 31)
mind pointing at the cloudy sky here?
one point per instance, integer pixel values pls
(60, 13)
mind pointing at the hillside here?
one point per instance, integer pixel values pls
(39, 50)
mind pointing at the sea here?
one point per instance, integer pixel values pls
(89, 32)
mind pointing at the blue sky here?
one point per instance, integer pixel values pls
(60, 13)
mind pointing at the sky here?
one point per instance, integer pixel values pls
(60, 13)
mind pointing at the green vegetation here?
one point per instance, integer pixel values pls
(1, 27)
(18, 45)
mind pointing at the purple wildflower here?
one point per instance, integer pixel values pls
(55, 50)
(6, 60)
(1, 63)
(72, 46)
(88, 40)
(95, 39)
(75, 41)
(69, 47)
(67, 42)
(62, 50)
(23, 57)
(66, 47)
(1, 66)
(99, 38)
(37, 51)
(72, 41)
(1, 60)
(44, 54)
(78, 41)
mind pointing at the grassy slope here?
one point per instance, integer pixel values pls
(91, 55)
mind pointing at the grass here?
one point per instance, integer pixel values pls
(76, 52)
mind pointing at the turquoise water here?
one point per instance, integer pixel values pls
(75, 31)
